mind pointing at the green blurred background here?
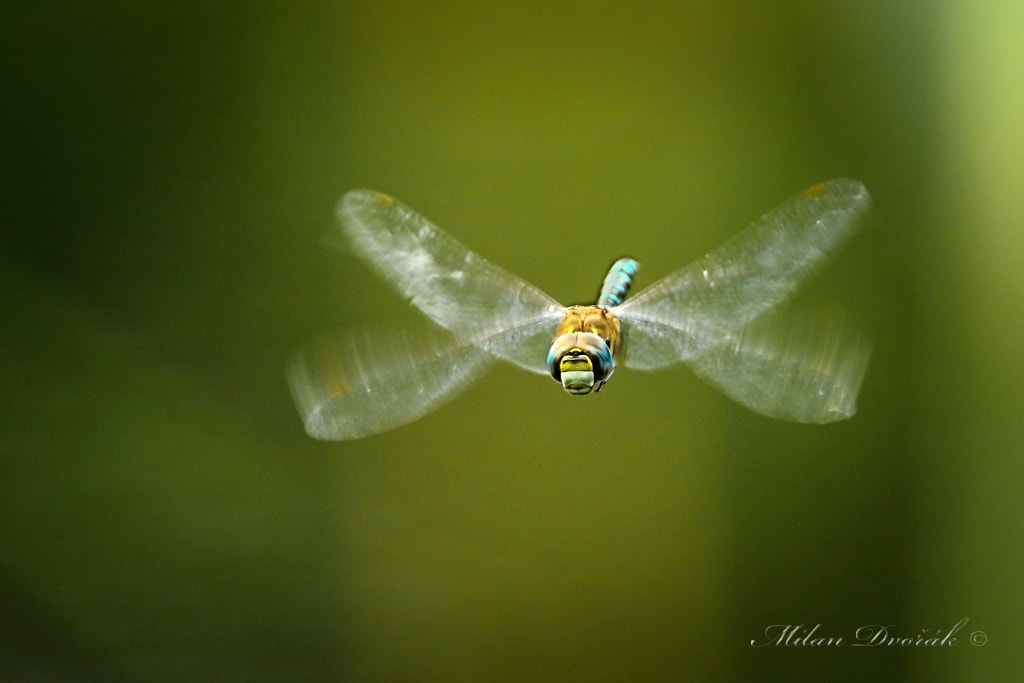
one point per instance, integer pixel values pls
(168, 171)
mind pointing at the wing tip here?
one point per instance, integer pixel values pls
(844, 187)
(355, 199)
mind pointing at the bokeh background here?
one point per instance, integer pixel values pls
(168, 172)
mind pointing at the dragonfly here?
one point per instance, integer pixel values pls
(724, 315)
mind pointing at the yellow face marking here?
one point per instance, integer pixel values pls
(575, 359)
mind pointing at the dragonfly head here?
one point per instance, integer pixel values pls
(580, 360)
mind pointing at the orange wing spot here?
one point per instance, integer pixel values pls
(339, 390)
(815, 190)
(383, 198)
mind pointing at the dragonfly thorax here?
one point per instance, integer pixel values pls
(582, 355)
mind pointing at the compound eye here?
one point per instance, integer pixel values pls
(580, 361)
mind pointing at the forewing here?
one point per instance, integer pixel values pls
(791, 366)
(696, 308)
(371, 382)
(453, 286)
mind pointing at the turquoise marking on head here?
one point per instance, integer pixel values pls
(579, 360)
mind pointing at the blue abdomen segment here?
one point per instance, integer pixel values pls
(617, 282)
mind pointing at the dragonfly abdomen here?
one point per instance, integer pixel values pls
(617, 282)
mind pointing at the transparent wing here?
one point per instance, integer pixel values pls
(696, 308)
(368, 383)
(373, 381)
(791, 366)
(453, 286)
